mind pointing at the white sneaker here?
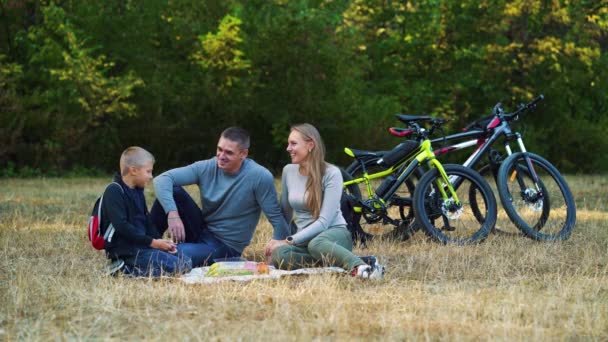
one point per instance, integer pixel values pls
(114, 266)
(375, 271)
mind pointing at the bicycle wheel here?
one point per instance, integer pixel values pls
(448, 220)
(543, 211)
(503, 222)
(350, 197)
(400, 225)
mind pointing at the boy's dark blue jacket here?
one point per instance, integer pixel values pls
(118, 209)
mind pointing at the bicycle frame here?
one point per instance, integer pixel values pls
(405, 169)
(500, 128)
(482, 140)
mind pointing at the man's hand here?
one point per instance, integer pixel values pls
(164, 245)
(176, 227)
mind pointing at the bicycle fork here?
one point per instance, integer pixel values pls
(529, 165)
(429, 155)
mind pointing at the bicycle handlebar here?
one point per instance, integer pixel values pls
(414, 127)
(520, 109)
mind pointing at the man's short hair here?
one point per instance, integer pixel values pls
(238, 135)
(134, 156)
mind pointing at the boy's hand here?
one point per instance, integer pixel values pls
(164, 245)
(176, 227)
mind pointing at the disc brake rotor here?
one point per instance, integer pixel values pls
(533, 200)
(451, 209)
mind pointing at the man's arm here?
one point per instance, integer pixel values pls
(163, 186)
(163, 183)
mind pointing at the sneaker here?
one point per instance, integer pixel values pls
(114, 267)
(369, 259)
(369, 272)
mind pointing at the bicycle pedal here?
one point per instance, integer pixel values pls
(449, 228)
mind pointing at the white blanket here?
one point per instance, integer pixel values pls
(198, 275)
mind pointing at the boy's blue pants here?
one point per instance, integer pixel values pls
(152, 262)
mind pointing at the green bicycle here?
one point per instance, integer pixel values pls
(441, 201)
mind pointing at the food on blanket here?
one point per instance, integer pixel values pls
(236, 268)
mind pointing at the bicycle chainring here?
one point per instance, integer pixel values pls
(373, 210)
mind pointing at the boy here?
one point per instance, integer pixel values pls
(133, 243)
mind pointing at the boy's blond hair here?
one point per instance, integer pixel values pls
(134, 156)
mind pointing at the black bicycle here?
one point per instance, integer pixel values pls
(535, 196)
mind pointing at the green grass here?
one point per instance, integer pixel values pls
(507, 288)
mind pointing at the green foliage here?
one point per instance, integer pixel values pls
(170, 76)
(83, 85)
(219, 53)
(11, 122)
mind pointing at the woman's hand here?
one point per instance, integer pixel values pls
(272, 245)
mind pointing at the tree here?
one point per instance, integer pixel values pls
(79, 92)
(11, 123)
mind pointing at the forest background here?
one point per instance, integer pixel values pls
(82, 80)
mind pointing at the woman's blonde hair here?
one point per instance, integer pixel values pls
(316, 167)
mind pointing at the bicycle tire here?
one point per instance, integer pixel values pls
(485, 171)
(557, 207)
(400, 202)
(460, 226)
(503, 225)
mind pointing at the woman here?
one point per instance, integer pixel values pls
(311, 189)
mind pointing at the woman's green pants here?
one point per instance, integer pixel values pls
(332, 247)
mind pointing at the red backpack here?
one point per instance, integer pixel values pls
(97, 235)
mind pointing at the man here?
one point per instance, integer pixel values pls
(234, 190)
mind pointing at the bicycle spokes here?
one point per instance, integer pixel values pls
(536, 197)
(447, 214)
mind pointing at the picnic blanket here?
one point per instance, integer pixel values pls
(198, 275)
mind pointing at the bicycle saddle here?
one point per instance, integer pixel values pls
(361, 153)
(410, 118)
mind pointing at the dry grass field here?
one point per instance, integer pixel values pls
(507, 288)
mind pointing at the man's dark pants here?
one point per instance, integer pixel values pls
(201, 245)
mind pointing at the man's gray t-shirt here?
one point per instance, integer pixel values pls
(232, 203)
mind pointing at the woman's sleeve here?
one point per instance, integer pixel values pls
(286, 209)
